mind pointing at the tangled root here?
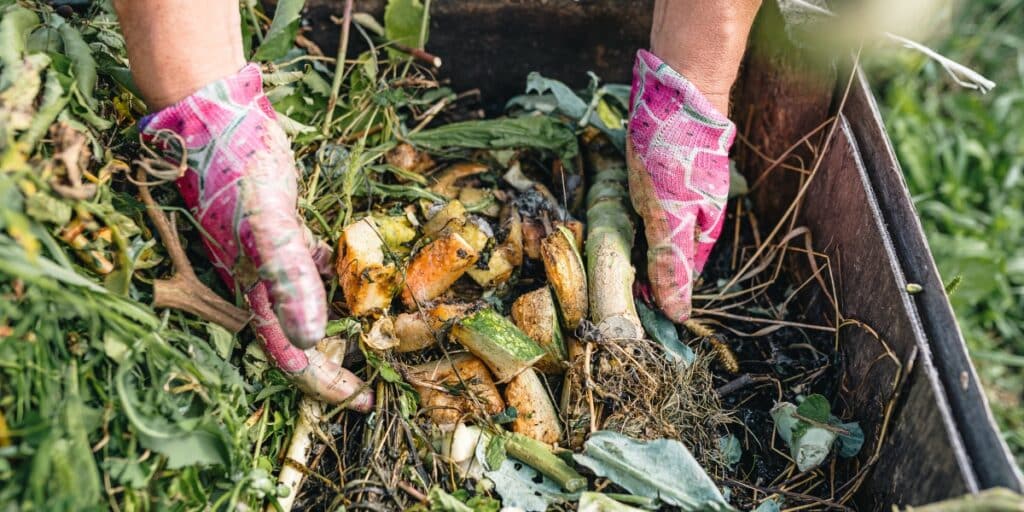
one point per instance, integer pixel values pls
(632, 387)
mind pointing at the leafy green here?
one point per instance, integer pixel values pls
(815, 408)
(539, 132)
(83, 65)
(283, 29)
(403, 21)
(664, 331)
(15, 24)
(731, 449)
(662, 469)
(851, 440)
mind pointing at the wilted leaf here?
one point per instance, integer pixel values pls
(46, 208)
(282, 31)
(521, 486)
(808, 444)
(852, 441)
(663, 331)
(730, 448)
(662, 469)
(540, 132)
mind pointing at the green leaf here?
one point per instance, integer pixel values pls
(815, 408)
(539, 132)
(203, 446)
(283, 28)
(495, 452)
(222, 339)
(442, 501)
(83, 66)
(662, 469)
(115, 347)
(809, 445)
(521, 486)
(15, 24)
(730, 448)
(46, 208)
(852, 440)
(567, 101)
(663, 331)
(403, 21)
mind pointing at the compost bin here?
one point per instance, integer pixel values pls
(941, 440)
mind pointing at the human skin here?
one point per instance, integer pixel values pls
(704, 41)
(177, 46)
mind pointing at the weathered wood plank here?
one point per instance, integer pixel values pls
(991, 458)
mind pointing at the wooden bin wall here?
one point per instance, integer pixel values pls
(857, 209)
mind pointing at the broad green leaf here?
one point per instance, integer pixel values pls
(495, 453)
(662, 469)
(815, 408)
(540, 132)
(221, 339)
(282, 31)
(521, 486)
(852, 441)
(663, 331)
(730, 448)
(45, 39)
(567, 101)
(15, 24)
(403, 21)
(46, 208)
(441, 500)
(83, 66)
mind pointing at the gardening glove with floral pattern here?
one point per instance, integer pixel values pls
(678, 156)
(241, 186)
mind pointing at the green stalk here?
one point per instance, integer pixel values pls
(538, 456)
(339, 70)
(610, 234)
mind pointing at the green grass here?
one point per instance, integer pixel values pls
(963, 157)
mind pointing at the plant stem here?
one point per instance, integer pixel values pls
(339, 70)
(610, 234)
(538, 456)
(184, 291)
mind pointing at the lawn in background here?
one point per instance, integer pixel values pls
(963, 156)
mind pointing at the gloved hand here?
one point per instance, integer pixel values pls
(678, 157)
(241, 186)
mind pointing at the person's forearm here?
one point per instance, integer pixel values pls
(177, 46)
(704, 41)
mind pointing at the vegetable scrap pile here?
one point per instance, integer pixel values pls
(484, 290)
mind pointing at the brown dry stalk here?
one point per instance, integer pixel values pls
(184, 291)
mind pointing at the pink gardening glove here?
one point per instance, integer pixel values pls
(241, 185)
(678, 157)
